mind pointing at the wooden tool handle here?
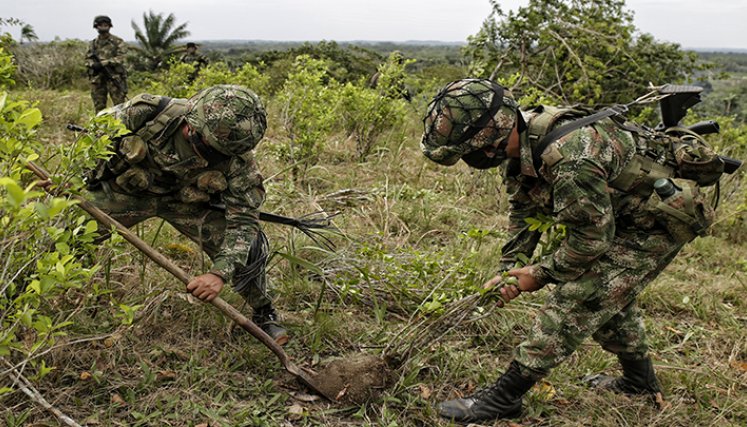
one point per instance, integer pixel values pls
(174, 269)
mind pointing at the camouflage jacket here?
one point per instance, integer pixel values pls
(195, 59)
(575, 192)
(176, 170)
(110, 51)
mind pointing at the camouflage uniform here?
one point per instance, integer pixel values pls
(214, 202)
(111, 80)
(599, 181)
(197, 60)
(194, 58)
(612, 250)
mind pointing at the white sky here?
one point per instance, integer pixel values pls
(691, 23)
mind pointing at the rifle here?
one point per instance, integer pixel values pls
(93, 72)
(674, 102)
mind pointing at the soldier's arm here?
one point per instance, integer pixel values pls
(243, 198)
(90, 60)
(581, 202)
(521, 239)
(119, 56)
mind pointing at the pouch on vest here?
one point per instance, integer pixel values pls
(212, 182)
(190, 194)
(686, 214)
(133, 149)
(134, 179)
(697, 162)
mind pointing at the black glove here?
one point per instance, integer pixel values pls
(97, 66)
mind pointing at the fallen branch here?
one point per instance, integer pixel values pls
(25, 386)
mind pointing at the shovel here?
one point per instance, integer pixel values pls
(227, 309)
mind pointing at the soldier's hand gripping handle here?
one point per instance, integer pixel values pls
(512, 284)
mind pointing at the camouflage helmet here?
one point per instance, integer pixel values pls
(230, 118)
(465, 116)
(102, 19)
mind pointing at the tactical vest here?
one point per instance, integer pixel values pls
(139, 166)
(685, 159)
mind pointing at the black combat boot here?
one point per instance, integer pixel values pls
(267, 319)
(638, 378)
(501, 400)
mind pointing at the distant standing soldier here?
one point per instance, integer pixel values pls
(105, 62)
(197, 60)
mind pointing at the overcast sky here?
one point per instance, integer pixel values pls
(691, 23)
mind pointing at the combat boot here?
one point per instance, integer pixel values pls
(267, 318)
(501, 400)
(638, 378)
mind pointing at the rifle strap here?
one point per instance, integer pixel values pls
(567, 128)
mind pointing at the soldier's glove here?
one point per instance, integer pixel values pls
(97, 66)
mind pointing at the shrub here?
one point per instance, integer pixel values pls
(307, 103)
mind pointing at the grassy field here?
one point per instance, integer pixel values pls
(408, 225)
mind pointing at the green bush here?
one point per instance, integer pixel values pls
(42, 238)
(54, 65)
(308, 111)
(177, 80)
(366, 114)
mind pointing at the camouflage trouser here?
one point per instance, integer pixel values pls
(601, 303)
(202, 224)
(101, 88)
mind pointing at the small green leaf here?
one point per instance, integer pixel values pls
(30, 118)
(16, 195)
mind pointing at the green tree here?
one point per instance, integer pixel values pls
(574, 51)
(158, 37)
(28, 33)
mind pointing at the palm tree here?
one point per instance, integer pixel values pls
(158, 40)
(28, 33)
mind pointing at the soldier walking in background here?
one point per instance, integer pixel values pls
(190, 162)
(105, 61)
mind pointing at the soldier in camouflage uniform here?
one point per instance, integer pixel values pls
(615, 245)
(105, 61)
(191, 56)
(191, 163)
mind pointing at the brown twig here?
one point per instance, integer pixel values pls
(25, 386)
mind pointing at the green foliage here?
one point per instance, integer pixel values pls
(575, 51)
(308, 110)
(344, 64)
(367, 113)
(42, 238)
(53, 65)
(7, 69)
(174, 82)
(158, 38)
(28, 33)
(177, 80)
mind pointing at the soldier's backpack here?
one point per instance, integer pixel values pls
(688, 162)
